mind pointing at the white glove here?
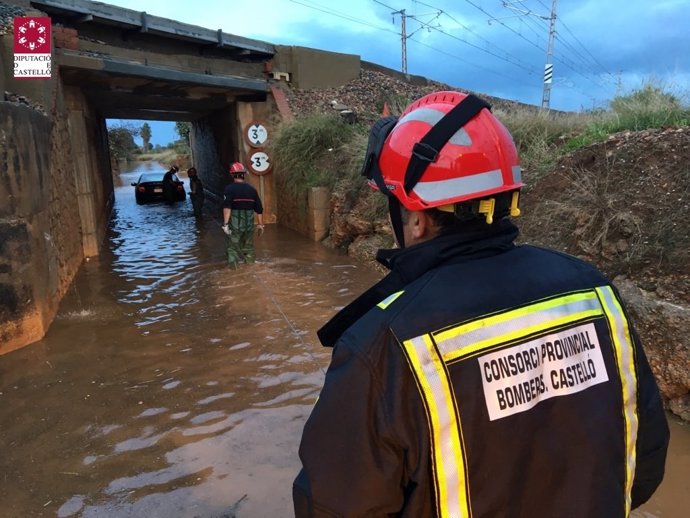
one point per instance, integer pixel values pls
(260, 230)
(226, 229)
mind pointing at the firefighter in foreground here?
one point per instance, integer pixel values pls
(478, 378)
(240, 202)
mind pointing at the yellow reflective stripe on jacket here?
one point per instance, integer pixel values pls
(389, 299)
(625, 361)
(447, 457)
(428, 355)
(485, 332)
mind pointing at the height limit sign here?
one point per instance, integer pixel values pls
(258, 160)
(256, 134)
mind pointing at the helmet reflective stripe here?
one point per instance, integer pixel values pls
(469, 185)
(431, 116)
(517, 174)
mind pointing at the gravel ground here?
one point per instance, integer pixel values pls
(7, 13)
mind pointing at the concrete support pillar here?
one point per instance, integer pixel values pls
(265, 184)
(94, 188)
(318, 212)
(84, 183)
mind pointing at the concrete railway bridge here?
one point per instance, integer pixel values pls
(56, 184)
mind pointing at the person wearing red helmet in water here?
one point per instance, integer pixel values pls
(240, 203)
(479, 378)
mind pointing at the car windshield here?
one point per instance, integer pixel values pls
(151, 177)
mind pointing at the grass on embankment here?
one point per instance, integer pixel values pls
(323, 150)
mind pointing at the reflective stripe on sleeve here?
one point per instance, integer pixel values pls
(625, 361)
(448, 462)
(389, 299)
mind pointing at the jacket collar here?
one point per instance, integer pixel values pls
(473, 241)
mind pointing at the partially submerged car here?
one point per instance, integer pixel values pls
(149, 188)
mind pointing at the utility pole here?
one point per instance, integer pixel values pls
(548, 67)
(403, 29)
(403, 38)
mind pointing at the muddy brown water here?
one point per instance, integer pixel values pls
(170, 386)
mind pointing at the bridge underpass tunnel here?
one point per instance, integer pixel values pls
(209, 144)
(129, 65)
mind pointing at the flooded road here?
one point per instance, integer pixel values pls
(170, 386)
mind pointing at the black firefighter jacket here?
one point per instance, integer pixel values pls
(482, 379)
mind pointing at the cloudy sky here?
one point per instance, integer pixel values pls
(601, 47)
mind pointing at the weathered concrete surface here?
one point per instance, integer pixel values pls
(314, 69)
(247, 114)
(308, 213)
(39, 91)
(40, 229)
(91, 167)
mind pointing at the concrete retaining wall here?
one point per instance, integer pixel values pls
(309, 213)
(313, 69)
(56, 195)
(40, 229)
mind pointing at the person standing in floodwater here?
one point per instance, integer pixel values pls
(479, 378)
(169, 185)
(196, 193)
(240, 203)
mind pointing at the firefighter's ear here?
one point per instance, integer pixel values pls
(418, 226)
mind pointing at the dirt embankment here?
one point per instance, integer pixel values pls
(622, 204)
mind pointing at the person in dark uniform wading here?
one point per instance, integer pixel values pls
(196, 191)
(169, 184)
(240, 203)
(479, 378)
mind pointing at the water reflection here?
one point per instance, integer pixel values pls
(171, 386)
(168, 384)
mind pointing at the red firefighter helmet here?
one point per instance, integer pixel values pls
(432, 158)
(237, 169)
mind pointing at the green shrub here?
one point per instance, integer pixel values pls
(538, 134)
(648, 107)
(305, 151)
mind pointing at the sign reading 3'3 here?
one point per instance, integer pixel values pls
(256, 134)
(259, 162)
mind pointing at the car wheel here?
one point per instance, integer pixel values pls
(140, 200)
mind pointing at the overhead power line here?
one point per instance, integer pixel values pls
(481, 67)
(561, 37)
(338, 14)
(585, 49)
(510, 58)
(491, 17)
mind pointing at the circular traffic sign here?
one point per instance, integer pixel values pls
(259, 163)
(256, 134)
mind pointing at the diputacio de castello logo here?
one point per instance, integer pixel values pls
(32, 47)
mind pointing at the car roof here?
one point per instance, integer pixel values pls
(151, 177)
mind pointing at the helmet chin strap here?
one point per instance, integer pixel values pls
(395, 214)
